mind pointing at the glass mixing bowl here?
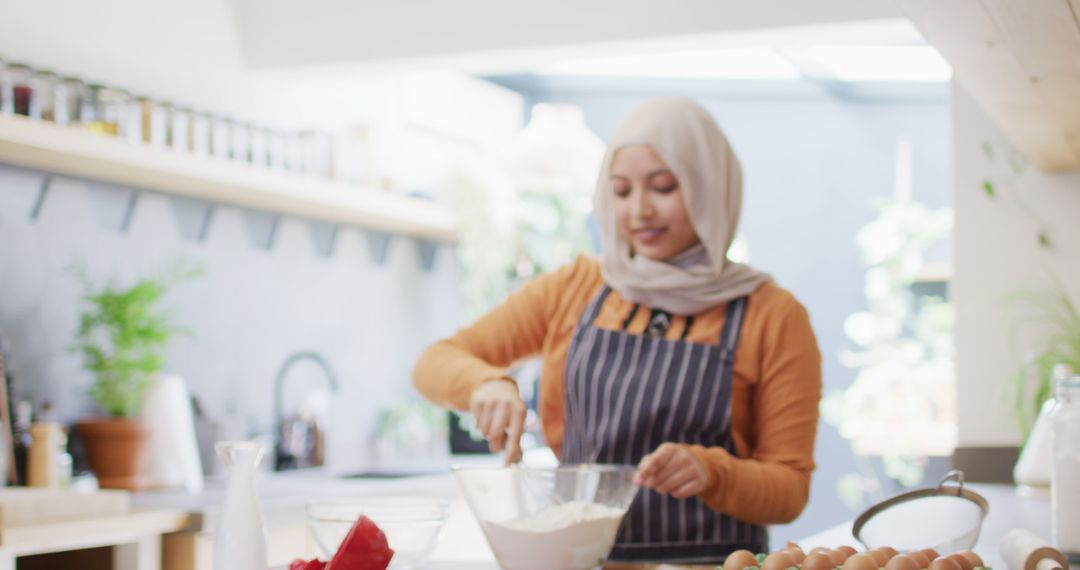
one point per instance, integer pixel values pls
(554, 517)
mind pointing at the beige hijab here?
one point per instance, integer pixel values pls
(693, 146)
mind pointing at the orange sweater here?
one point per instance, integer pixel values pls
(776, 380)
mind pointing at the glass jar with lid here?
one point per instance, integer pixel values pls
(68, 95)
(153, 122)
(200, 133)
(317, 160)
(294, 153)
(180, 129)
(276, 150)
(220, 131)
(3, 86)
(87, 105)
(112, 107)
(42, 96)
(240, 140)
(260, 147)
(1064, 419)
(17, 89)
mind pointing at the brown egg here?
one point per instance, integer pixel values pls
(962, 560)
(821, 550)
(880, 558)
(920, 558)
(838, 558)
(817, 561)
(902, 562)
(888, 550)
(976, 562)
(739, 560)
(931, 553)
(860, 562)
(779, 560)
(847, 550)
(796, 554)
(943, 564)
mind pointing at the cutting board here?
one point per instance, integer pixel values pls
(27, 506)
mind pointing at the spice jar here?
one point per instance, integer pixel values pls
(294, 153)
(68, 94)
(17, 89)
(276, 149)
(151, 117)
(200, 134)
(240, 141)
(316, 149)
(260, 147)
(220, 146)
(49, 463)
(87, 105)
(130, 126)
(42, 96)
(3, 85)
(111, 108)
(1064, 421)
(179, 129)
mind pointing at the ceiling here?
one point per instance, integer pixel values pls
(489, 36)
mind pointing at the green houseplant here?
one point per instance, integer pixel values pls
(122, 337)
(1054, 319)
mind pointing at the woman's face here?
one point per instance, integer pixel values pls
(650, 212)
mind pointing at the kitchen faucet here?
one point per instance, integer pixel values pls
(283, 458)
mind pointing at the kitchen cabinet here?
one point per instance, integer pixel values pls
(75, 152)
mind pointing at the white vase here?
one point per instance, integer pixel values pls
(239, 539)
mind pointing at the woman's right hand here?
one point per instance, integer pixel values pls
(500, 415)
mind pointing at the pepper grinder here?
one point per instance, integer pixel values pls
(46, 447)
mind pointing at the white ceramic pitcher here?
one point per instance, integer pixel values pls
(240, 540)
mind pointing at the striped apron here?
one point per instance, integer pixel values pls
(625, 395)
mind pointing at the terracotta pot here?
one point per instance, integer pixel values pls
(116, 449)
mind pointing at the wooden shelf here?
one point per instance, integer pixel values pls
(75, 152)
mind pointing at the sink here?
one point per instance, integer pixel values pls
(393, 473)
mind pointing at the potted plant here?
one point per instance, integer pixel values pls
(1054, 319)
(122, 337)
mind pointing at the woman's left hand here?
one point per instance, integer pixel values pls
(674, 469)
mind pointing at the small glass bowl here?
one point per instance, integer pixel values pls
(411, 525)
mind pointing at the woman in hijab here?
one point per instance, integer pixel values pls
(662, 353)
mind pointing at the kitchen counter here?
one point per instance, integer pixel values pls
(462, 545)
(1009, 508)
(283, 498)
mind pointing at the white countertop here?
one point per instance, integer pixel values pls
(462, 546)
(1009, 508)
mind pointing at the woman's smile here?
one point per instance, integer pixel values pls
(648, 235)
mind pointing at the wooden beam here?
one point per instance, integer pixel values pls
(1020, 61)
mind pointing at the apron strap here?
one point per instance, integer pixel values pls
(729, 335)
(592, 310)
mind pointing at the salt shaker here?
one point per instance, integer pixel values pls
(1065, 474)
